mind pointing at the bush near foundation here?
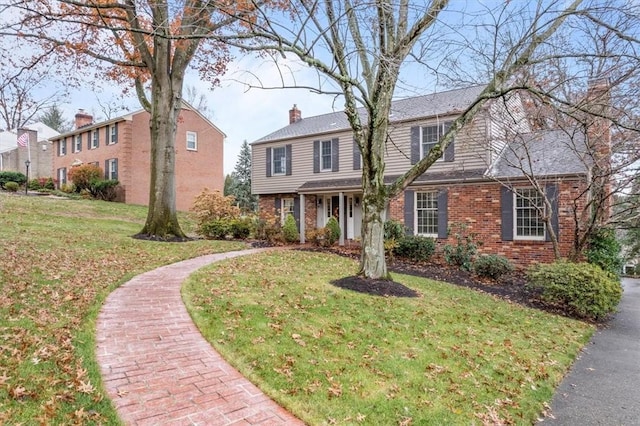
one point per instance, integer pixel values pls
(415, 247)
(290, 229)
(16, 177)
(492, 266)
(582, 290)
(11, 186)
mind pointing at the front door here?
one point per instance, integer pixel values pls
(350, 220)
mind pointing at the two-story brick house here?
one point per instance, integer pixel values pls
(121, 147)
(312, 169)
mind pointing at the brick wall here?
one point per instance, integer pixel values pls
(478, 206)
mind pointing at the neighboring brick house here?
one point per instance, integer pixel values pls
(312, 169)
(121, 148)
(37, 151)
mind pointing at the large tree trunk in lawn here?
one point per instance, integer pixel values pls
(162, 220)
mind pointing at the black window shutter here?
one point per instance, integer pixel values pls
(107, 135)
(296, 211)
(268, 162)
(409, 211)
(116, 126)
(287, 150)
(106, 169)
(335, 155)
(79, 146)
(443, 214)
(506, 206)
(415, 144)
(316, 156)
(356, 156)
(116, 168)
(97, 138)
(551, 192)
(449, 152)
(278, 206)
(88, 140)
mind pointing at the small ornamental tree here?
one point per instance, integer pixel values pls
(210, 206)
(83, 176)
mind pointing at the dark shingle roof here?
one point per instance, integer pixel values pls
(442, 103)
(543, 153)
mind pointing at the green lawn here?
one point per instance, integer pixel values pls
(332, 356)
(59, 259)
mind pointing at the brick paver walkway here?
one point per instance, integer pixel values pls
(157, 368)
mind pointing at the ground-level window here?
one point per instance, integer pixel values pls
(286, 208)
(111, 171)
(427, 213)
(528, 206)
(62, 176)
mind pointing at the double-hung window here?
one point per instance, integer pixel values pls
(192, 141)
(62, 176)
(77, 144)
(427, 213)
(112, 134)
(94, 139)
(279, 161)
(529, 208)
(430, 137)
(62, 147)
(111, 169)
(286, 209)
(325, 156)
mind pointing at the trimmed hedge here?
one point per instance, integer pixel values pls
(16, 177)
(581, 289)
(415, 247)
(492, 266)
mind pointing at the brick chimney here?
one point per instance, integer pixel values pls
(294, 114)
(598, 102)
(83, 119)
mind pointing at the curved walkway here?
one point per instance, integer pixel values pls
(158, 369)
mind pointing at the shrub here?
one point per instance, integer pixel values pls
(210, 206)
(582, 289)
(492, 266)
(394, 230)
(241, 228)
(604, 251)
(34, 185)
(16, 177)
(83, 176)
(217, 229)
(319, 237)
(49, 183)
(334, 228)
(102, 189)
(11, 186)
(415, 247)
(462, 253)
(268, 228)
(67, 188)
(290, 229)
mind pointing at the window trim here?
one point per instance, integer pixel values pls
(434, 194)
(62, 147)
(322, 155)
(62, 176)
(112, 137)
(77, 143)
(516, 237)
(195, 140)
(111, 164)
(283, 162)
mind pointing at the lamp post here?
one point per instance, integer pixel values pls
(26, 185)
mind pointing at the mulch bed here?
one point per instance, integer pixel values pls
(511, 287)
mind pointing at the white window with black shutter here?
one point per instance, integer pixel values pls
(62, 147)
(426, 213)
(357, 156)
(111, 169)
(112, 134)
(95, 139)
(279, 161)
(523, 213)
(62, 176)
(326, 156)
(77, 144)
(424, 138)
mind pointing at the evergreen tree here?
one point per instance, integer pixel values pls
(241, 180)
(229, 185)
(54, 118)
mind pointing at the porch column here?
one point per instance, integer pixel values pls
(302, 212)
(341, 218)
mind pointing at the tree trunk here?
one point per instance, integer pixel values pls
(162, 220)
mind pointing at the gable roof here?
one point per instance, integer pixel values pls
(432, 105)
(543, 153)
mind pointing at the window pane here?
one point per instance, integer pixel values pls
(326, 155)
(529, 204)
(279, 160)
(427, 213)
